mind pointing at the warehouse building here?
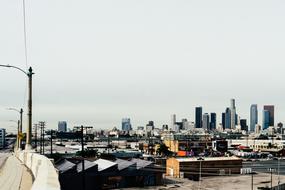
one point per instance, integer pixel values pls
(192, 168)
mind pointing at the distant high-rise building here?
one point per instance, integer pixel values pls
(126, 124)
(62, 126)
(173, 121)
(253, 117)
(224, 120)
(213, 122)
(228, 118)
(164, 127)
(233, 114)
(243, 125)
(266, 119)
(185, 124)
(205, 121)
(198, 117)
(270, 108)
(2, 138)
(150, 126)
(257, 129)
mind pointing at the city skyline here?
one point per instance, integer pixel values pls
(102, 64)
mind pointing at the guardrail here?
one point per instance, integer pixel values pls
(45, 175)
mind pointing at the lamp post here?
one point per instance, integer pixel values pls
(21, 124)
(29, 74)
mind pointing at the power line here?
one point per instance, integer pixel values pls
(25, 34)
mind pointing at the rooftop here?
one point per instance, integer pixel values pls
(207, 159)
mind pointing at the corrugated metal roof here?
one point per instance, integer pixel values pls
(141, 163)
(87, 165)
(65, 165)
(104, 164)
(123, 164)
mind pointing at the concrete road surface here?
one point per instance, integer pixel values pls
(14, 175)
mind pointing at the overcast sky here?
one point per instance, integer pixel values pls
(99, 61)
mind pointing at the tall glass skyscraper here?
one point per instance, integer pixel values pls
(253, 117)
(224, 120)
(266, 119)
(270, 109)
(228, 118)
(233, 114)
(198, 117)
(213, 122)
(206, 121)
(126, 124)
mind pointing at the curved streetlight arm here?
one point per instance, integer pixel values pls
(29, 74)
(11, 66)
(14, 109)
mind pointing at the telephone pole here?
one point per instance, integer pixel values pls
(42, 141)
(81, 128)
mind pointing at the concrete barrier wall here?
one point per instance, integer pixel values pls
(45, 175)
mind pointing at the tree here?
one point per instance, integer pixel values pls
(164, 150)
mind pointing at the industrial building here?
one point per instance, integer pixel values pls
(192, 168)
(108, 174)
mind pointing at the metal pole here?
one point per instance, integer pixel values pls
(200, 175)
(41, 139)
(29, 127)
(278, 174)
(82, 153)
(271, 177)
(251, 180)
(21, 127)
(36, 137)
(18, 138)
(51, 142)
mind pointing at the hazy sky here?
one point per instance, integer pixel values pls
(99, 61)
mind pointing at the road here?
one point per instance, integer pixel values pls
(13, 174)
(264, 166)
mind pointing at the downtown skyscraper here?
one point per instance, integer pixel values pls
(198, 117)
(253, 117)
(126, 124)
(228, 118)
(213, 121)
(270, 109)
(233, 114)
(266, 119)
(205, 121)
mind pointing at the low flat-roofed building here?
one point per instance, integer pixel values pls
(208, 166)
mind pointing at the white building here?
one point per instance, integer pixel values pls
(233, 114)
(173, 121)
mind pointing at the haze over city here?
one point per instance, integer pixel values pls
(96, 62)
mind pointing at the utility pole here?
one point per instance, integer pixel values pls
(200, 175)
(51, 133)
(42, 142)
(82, 153)
(36, 136)
(251, 180)
(81, 128)
(18, 135)
(21, 127)
(271, 177)
(29, 129)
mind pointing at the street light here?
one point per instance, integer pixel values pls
(29, 74)
(21, 124)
